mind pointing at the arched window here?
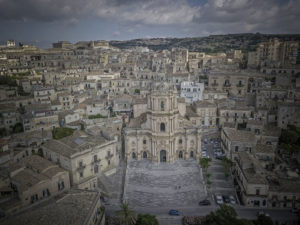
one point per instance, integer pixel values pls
(180, 141)
(144, 141)
(162, 106)
(162, 127)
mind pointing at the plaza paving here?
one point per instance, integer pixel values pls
(164, 185)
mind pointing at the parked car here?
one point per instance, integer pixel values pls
(295, 210)
(220, 156)
(232, 200)
(204, 202)
(219, 199)
(226, 199)
(174, 212)
(261, 212)
(218, 151)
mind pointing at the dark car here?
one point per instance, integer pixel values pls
(220, 156)
(226, 199)
(204, 202)
(174, 212)
(295, 210)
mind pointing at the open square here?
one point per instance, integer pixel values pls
(164, 185)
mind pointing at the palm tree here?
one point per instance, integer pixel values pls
(127, 216)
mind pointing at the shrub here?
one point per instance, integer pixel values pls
(62, 132)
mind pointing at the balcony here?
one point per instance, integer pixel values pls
(214, 84)
(81, 167)
(109, 156)
(96, 161)
(227, 85)
(240, 85)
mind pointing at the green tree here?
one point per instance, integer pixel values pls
(245, 222)
(126, 215)
(3, 132)
(61, 132)
(18, 128)
(204, 163)
(226, 215)
(263, 220)
(146, 219)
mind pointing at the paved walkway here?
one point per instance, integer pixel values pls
(164, 185)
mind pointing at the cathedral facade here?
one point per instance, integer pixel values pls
(161, 133)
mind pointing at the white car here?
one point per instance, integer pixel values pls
(219, 199)
(232, 200)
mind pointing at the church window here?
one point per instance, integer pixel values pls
(162, 127)
(162, 106)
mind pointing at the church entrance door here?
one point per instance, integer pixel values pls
(163, 156)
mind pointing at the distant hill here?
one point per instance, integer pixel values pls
(211, 44)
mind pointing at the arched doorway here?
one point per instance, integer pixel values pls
(180, 155)
(145, 155)
(163, 156)
(192, 154)
(133, 155)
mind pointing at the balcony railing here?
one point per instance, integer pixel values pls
(81, 167)
(214, 84)
(240, 85)
(109, 156)
(96, 161)
(227, 85)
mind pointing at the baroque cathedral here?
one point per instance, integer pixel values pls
(161, 133)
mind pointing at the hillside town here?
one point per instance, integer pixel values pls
(86, 127)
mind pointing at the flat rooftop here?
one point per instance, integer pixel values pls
(68, 208)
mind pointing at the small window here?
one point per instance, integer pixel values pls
(144, 141)
(180, 141)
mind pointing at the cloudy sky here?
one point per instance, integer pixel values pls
(74, 20)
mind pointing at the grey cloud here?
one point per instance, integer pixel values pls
(153, 12)
(43, 10)
(251, 15)
(215, 15)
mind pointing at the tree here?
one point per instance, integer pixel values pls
(3, 132)
(18, 128)
(146, 219)
(227, 163)
(245, 222)
(263, 220)
(204, 163)
(126, 215)
(226, 215)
